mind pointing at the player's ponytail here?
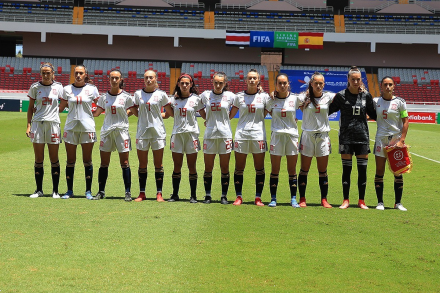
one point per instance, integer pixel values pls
(309, 95)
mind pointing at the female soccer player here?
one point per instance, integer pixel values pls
(392, 127)
(315, 141)
(79, 127)
(45, 129)
(218, 134)
(114, 132)
(250, 135)
(151, 131)
(284, 138)
(185, 136)
(355, 102)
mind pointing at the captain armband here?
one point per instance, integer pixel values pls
(403, 114)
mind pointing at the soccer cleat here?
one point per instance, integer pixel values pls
(193, 199)
(380, 206)
(89, 195)
(258, 202)
(238, 201)
(400, 207)
(55, 195)
(302, 202)
(159, 197)
(99, 195)
(273, 203)
(68, 194)
(362, 204)
(294, 203)
(141, 197)
(174, 198)
(224, 200)
(207, 200)
(36, 194)
(128, 196)
(345, 204)
(325, 203)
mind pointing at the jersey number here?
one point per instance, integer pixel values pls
(229, 144)
(356, 110)
(215, 107)
(54, 137)
(251, 108)
(149, 106)
(113, 109)
(78, 100)
(384, 114)
(283, 113)
(262, 144)
(46, 101)
(182, 112)
(318, 109)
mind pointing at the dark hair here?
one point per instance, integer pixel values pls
(310, 95)
(225, 79)
(387, 77)
(276, 80)
(121, 82)
(193, 89)
(353, 70)
(48, 64)
(260, 88)
(87, 78)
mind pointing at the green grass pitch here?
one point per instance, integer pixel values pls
(76, 245)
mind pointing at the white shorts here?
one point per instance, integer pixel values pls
(219, 146)
(116, 140)
(45, 132)
(283, 144)
(185, 143)
(250, 146)
(315, 144)
(153, 143)
(76, 138)
(382, 142)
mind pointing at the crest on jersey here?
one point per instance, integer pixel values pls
(121, 101)
(258, 100)
(393, 107)
(224, 98)
(87, 92)
(54, 91)
(364, 102)
(291, 104)
(191, 104)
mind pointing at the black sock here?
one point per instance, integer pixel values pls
(126, 175)
(302, 183)
(207, 181)
(273, 183)
(347, 165)
(39, 173)
(70, 171)
(323, 184)
(142, 173)
(193, 184)
(176, 183)
(238, 182)
(55, 176)
(260, 177)
(88, 171)
(398, 188)
(362, 177)
(102, 178)
(293, 183)
(378, 185)
(158, 174)
(225, 183)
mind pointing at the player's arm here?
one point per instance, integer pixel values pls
(371, 110)
(98, 111)
(233, 112)
(169, 112)
(335, 106)
(401, 142)
(30, 113)
(63, 105)
(132, 111)
(202, 113)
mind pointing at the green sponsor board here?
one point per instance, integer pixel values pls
(285, 40)
(438, 118)
(24, 105)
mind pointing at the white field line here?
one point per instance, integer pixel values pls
(417, 155)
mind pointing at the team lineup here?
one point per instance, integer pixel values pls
(217, 107)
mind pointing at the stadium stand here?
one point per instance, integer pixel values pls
(415, 85)
(236, 73)
(319, 68)
(30, 12)
(18, 74)
(133, 72)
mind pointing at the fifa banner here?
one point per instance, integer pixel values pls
(268, 39)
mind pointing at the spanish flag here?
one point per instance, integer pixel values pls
(310, 40)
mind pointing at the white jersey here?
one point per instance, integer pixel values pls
(115, 108)
(283, 112)
(217, 108)
(251, 118)
(389, 115)
(150, 122)
(316, 119)
(80, 99)
(46, 100)
(185, 114)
